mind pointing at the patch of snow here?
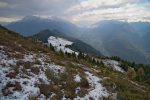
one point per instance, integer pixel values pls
(52, 95)
(60, 44)
(56, 68)
(1, 47)
(43, 77)
(77, 90)
(29, 57)
(113, 64)
(97, 91)
(77, 78)
(64, 98)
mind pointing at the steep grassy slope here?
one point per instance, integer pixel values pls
(30, 70)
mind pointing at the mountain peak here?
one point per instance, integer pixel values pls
(31, 18)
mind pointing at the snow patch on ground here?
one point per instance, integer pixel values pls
(60, 44)
(56, 68)
(114, 65)
(97, 91)
(77, 90)
(29, 57)
(77, 78)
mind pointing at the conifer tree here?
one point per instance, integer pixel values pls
(131, 73)
(140, 73)
(61, 52)
(74, 55)
(51, 47)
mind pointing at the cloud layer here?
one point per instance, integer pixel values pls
(78, 11)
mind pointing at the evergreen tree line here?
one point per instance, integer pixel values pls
(138, 72)
(80, 56)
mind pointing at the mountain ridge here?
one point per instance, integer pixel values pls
(77, 45)
(110, 34)
(25, 26)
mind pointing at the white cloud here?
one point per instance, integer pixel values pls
(3, 4)
(78, 11)
(4, 19)
(96, 10)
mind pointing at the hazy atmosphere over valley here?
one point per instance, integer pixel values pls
(75, 49)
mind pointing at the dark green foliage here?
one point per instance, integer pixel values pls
(51, 47)
(1, 27)
(80, 46)
(101, 63)
(139, 68)
(81, 55)
(68, 54)
(74, 55)
(45, 34)
(61, 53)
(115, 58)
(124, 66)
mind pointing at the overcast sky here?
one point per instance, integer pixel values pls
(77, 11)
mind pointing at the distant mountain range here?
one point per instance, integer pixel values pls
(129, 41)
(142, 28)
(114, 38)
(32, 24)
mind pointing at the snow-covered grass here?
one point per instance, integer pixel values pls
(28, 85)
(114, 65)
(60, 44)
(26, 80)
(5, 61)
(97, 91)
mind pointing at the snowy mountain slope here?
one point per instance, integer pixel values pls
(60, 44)
(29, 70)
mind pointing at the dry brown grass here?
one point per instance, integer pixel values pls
(47, 90)
(35, 70)
(16, 87)
(12, 74)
